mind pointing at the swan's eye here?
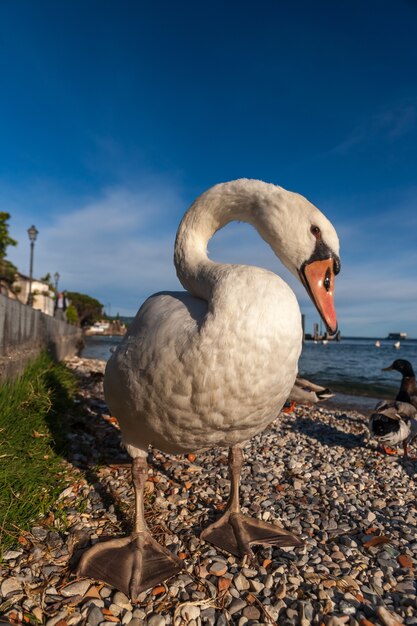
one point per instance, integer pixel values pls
(327, 282)
(316, 231)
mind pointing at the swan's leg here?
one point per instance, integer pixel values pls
(131, 564)
(235, 532)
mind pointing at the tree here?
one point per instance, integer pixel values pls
(71, 314)
(7, 269)
(88, 309)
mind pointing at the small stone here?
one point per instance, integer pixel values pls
(56, 618)
(251, 612)
(189, 612)
(155, 619)
(105, 592)
(115, 609)
(371, 516)
(347, 608)
(241, 583)
(217, 568)
(221, 620)
(406, 587)
(256, 585)
(95, 616)
(236, 605)
(78, 588)
(249, 572)
(12, 554)
(122, 600)
(10, 586)
(208, 615)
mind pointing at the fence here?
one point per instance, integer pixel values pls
(25, 333)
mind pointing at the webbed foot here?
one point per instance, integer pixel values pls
(131, 564)
(235, 533)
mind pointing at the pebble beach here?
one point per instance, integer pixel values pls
(313, 471)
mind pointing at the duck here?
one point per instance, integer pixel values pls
(211, 366)
(307, 392)
(408, 387)
(393, 423)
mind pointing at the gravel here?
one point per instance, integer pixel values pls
(313, 471)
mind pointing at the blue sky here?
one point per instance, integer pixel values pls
(116, 114)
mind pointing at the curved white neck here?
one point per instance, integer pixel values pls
(240, 200)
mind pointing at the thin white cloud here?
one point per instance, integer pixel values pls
(388, 124)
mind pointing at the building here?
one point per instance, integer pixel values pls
(43, 294)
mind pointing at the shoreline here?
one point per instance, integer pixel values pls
(312, 471)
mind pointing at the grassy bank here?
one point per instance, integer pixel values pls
(33, 426)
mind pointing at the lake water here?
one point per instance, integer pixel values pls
(351, 367)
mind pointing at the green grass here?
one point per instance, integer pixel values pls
(33, 424)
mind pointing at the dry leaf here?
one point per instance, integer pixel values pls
(48, 520)
(156, 591)
(92, 592)
(376, 541)
(23, 541)
(372, 530)
(266, 562)
(36, 435)
(250, 598)
(405, 561)
(224, 583)
(366, 622)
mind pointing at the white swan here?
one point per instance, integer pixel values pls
(214, 365)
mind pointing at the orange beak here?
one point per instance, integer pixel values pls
(318, 279)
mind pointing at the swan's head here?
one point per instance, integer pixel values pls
(317, 272)
(307, 243)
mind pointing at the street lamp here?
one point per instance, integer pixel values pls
(56, 277)
(33, 233)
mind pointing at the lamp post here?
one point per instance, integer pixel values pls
(56, 277)
(33, 233)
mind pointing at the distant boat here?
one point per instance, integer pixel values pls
(377, 344)
(397, 344)
(397, 336)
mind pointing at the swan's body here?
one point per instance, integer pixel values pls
(215, 380)
(214, 365)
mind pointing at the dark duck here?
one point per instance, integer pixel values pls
(408, 388)
(393, 423)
